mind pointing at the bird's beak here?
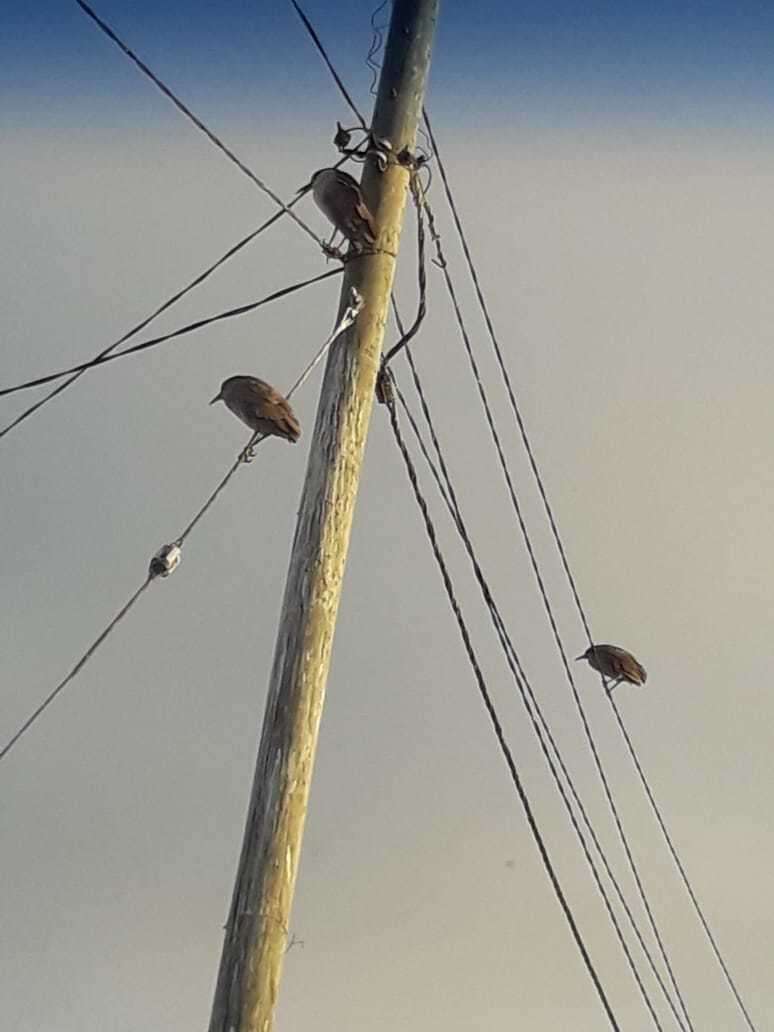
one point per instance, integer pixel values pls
(304, 189)
(580, 657)
(216, 398)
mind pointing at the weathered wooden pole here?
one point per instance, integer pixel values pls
(257, 929)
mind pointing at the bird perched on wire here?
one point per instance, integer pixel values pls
(260, 406)
(340, 199)
(615, 663)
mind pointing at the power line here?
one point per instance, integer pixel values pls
(284, 209)
(563, 553)
(316, 40)
(346, 320)
(189, 328)
(408, 335)
(349, 316)
(533, 708)
(680, 868)
(78, 666)
(211, 136)
(546, 602)
(149, 318)
(493, 717)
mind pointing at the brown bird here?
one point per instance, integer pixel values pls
(260, 406)
(615, 663)
(340, 199)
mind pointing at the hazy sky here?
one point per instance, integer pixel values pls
(614, 169)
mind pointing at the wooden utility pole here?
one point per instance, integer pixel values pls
(257, 929)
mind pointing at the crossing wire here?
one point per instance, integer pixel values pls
(346, 320)
(140, 326)
(232, 313)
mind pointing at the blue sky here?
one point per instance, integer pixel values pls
(672, 62)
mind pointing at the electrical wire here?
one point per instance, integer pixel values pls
(377, 41)
(534, 711)
(565, 561)
(683, 874)
(149, 318)
(211, 136)
(316, 40)
(76, 669)
(493, 717)
(349, 316)
(232, 313)
(604, 780)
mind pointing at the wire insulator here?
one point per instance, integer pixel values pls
(165, 560)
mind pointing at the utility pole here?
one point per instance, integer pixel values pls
(257, 929)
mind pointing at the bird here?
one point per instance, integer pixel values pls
(260, 406)
(615, 663)
(340, 199)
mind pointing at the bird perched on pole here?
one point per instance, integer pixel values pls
(340, 199)
(259, 406)
(615, 663)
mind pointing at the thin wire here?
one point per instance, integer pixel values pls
(78, 666)
(346, 320)
(563, 556)
(506, 377)
(158, 311)
(316, 40)
(406, 336)
(112, 35)
(377, 41)
(448, 493)
(547, 604)
(190, 328)
(493, 717)
(318, 44)
(680, 868)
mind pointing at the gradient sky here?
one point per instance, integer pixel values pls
(614, 169)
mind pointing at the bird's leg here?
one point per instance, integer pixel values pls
(328, 249)
(248, 454)
(613, 684)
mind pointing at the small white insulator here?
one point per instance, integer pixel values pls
(165, 560)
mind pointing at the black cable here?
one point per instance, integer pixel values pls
(190, 328)
(408, 335)
(448, 493)
(563, 556)
(112, 35)
(321, 49)
(148, 319)
(78, 666)
(547, 604)
(350, 315)
(493, 717)
(377, 41)
(673, 851)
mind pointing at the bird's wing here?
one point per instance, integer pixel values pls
(347, 180)
(362, 210)
(631, 669)
(277, 408)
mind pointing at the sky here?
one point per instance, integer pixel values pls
(613, 167)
